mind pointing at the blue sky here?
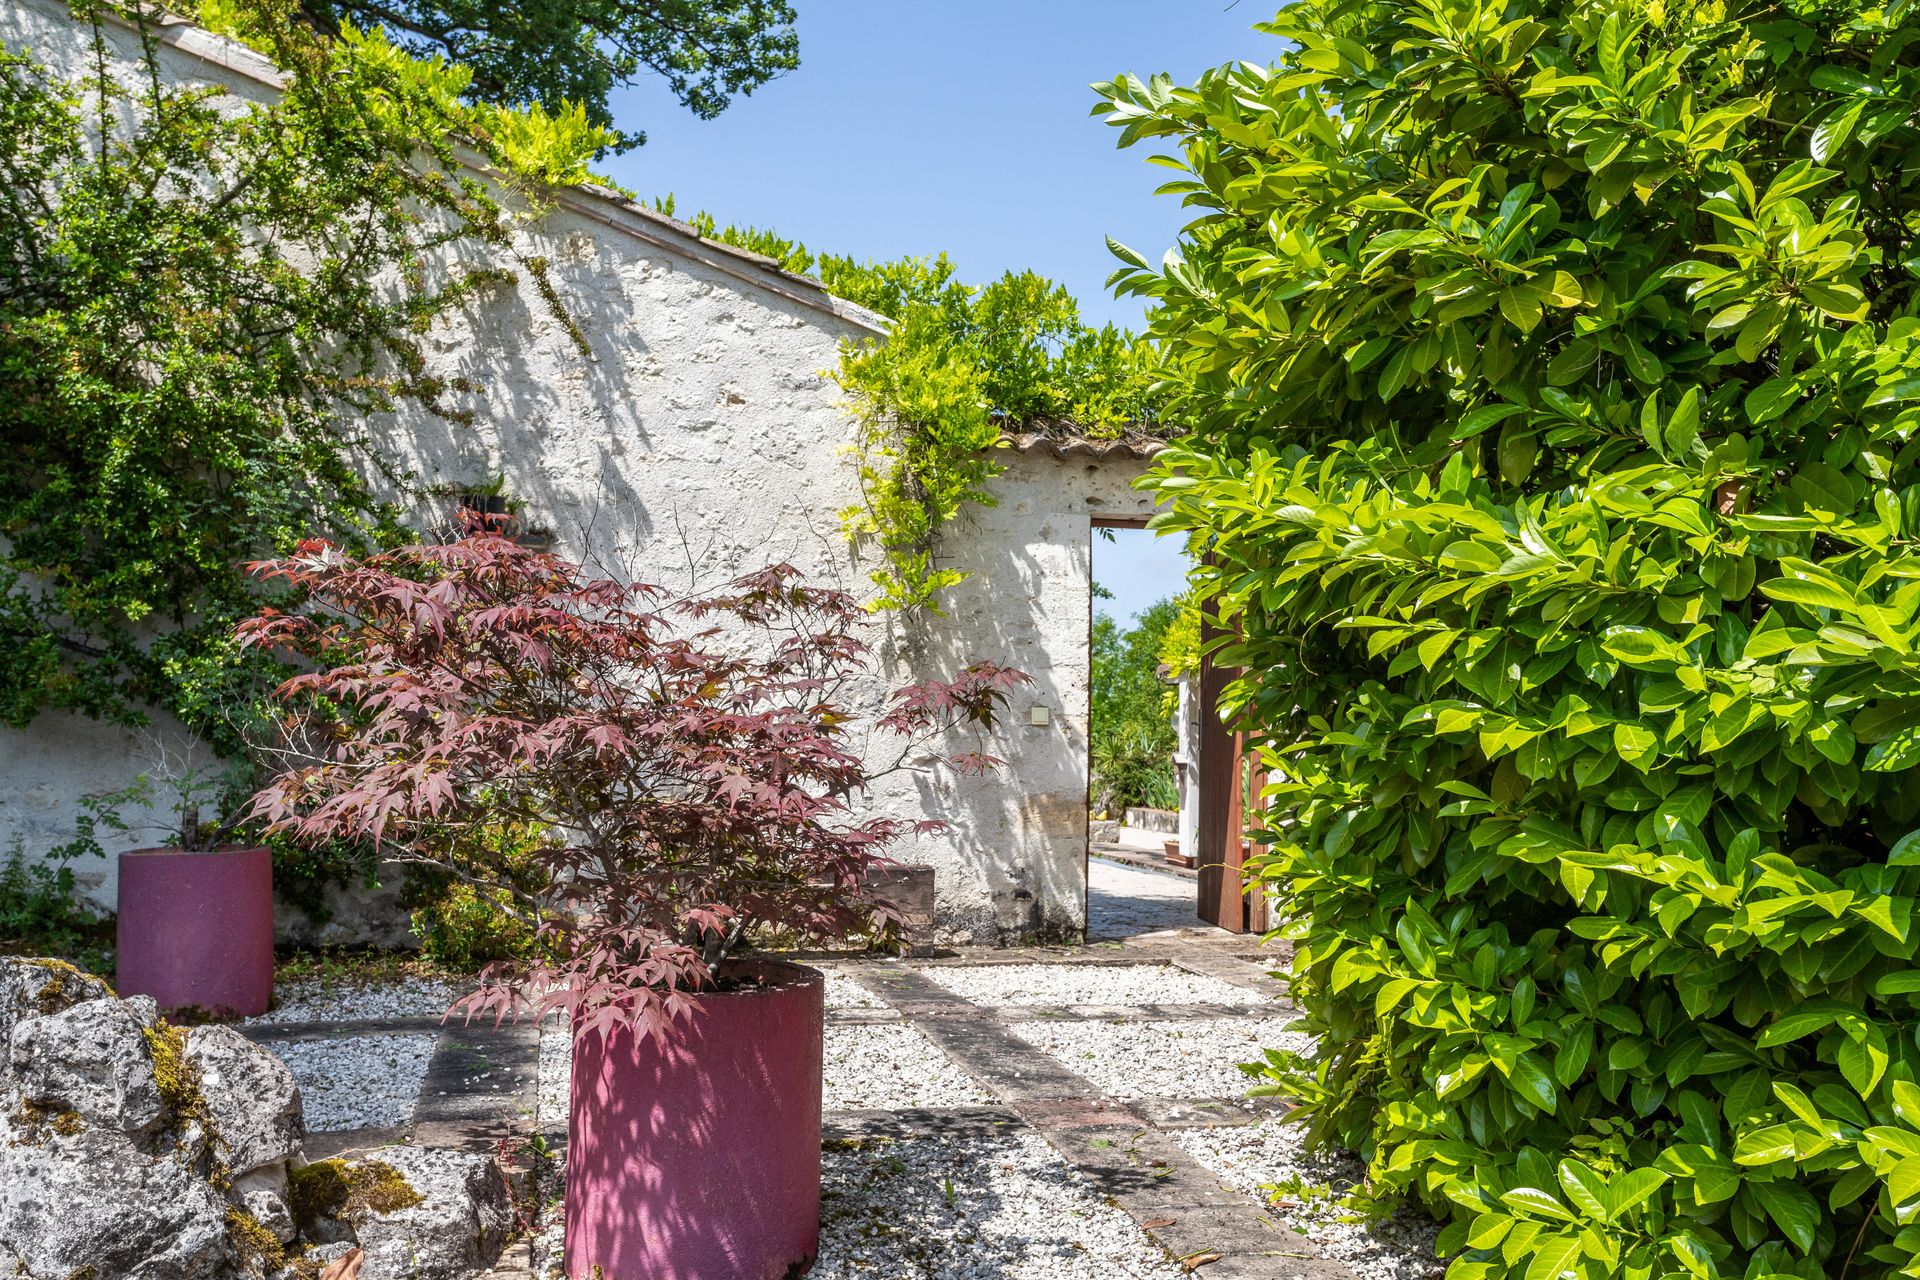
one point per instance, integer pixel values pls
(1139, 569)
(913, 128)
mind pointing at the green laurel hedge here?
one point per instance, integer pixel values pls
(1555, 374)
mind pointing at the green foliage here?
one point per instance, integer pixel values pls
(474, 903)
(532, 147)
(1551, 374)
(198, 305)
(466, 928)
(1180, 646)
(961, 365)
(567, 56)
(41, 915)
(185, 289)
(1130, 723)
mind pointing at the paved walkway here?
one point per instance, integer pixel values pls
(1126, 900)
(482, 1085)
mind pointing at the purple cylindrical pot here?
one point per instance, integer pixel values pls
(196, 929)
(699, 1159)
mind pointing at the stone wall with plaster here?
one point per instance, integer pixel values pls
(701, 436)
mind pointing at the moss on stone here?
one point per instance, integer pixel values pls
(34, 1123)
(254, 1241)
(56, 994)
(316, 1191)
(347, 1192)
(175, 1074)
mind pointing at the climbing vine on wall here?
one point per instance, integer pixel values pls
(962, 365)
(200, 302)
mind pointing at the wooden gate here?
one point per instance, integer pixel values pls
(1228, 787)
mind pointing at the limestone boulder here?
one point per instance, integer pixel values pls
(251, 1098)
(418, 1213)
(94, 1060)
(36, 988)
(90, 1202)
(131, 1149)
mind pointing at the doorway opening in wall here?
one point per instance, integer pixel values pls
(1142, 735)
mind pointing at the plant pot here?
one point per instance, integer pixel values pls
(700, 1159)
(196, 929)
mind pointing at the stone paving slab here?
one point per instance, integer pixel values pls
(482, 1087)
(342, 1029)
(353, 1142)
(917, 1122)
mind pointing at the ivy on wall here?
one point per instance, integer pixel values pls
(962, 365)
(198, 306)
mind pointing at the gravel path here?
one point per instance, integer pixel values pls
(886, 1065)
(556, 1069)
(321, 1000)
(1003, 1207)
(844, 993)
(1087, 984)
(357, 1082)
(892, 1066)
(1162, 1059)
(1124, 901)
(1269, 1157)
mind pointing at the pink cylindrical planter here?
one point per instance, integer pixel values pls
(196, 929)
(700, 1159)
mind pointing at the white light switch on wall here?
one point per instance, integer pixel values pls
(1039, 715)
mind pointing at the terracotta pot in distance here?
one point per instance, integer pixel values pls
(700, 1159)
(196, 929)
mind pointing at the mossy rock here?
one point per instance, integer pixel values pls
(66, 981)
(35, 1125)
(254, 1242)
(347, 1192)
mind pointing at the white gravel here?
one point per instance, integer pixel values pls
(1269, 1161)
(884, 1065)
(1066, 985)
(893, 1066)
(1163, 1059)
(332, 1000)
(844, 993)
(357, 1082)
(1001, 1207)
(556, 1070)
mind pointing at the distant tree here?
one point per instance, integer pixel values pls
(1131, 728)
(556, 52)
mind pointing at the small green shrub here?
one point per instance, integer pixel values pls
(41, 915)
(465, 927)
(1553, 369)
(473, 904)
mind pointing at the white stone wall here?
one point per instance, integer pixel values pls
(704, 438)
(1186, 758)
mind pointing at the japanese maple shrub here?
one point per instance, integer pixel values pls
(689, 759)
(1553, 375)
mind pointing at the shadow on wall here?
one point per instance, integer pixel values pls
(688, 435)
(699, 441)
(550, 421)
